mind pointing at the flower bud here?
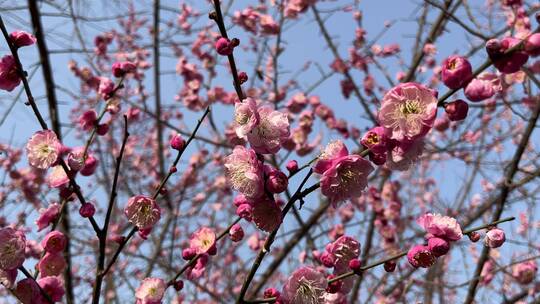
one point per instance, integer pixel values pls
(245, 211)
(87, 120)
(276, 181)
(242, 77)
(355, 265)
(494, 238)
(271, 293)
(178, 285)
(236, 233)
(90, 166)
(438, 246)
(188, 254)
(456, 110)
(327, 259)
(21, 38)
(390, 266)
(474, 236)
(456, 71)
(421, 256)
(102, 129)
(224, 46)
(87, 210)
(532, 45)
(292, 166)
(177, 142)
(120, 69)
(335, 286)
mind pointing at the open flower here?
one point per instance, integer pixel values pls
(53, 286)
(150, 291)
(444, 227)
(202, 240)
(245, 172)
(266, 214)
(404, 154)
(12, 247)
(9, 78)
(346, 179)
(333, 151)
(142, 211)
(43, 149)
(421, 256)
(272, 130)
(54, 242)
(408, 111)
(245, 116)
(305, 286)
(52, 264)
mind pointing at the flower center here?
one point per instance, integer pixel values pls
(411, 107)
(307, 292)
(241, 118)
(372, 139)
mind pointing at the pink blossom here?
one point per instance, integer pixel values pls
(408, 111)
(8, 277)
(506, 63)
(266, 214)
(177, 142)
(150, 291)
(305, 286)
(90, 165)
(224, 46)
(456, 110)
(87, 210)
(12, 248)
(245, 172)
(375, 140)
(494, 238)
(142, 211)
(272, 130)
(88, 120)
(292, 166)
(404, 154)
(196, 271)
(346, 179)
(27, 291)
(421, 256)
(236, 233)
(438, 246)
(106, 87)
(43, 149)
(75, 159)
(47, 216)
(54, 242)
(268, 25)
(202, 240)
(57, 178)
(332, 152)
(456, 71)
(22, 38)
(344, 249)
(483, 87)
(120, 69)
(246, 116)
(53, 286)
(51, 264)
(532, 45)
(444, 227)
(525, 272)
(276, 181)
(9, 77)
(245, 211)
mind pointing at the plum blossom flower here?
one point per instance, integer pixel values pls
(9, 77)
(203, 240)
(456, 71)
(271, 132)
(54, 242)
(346, 179)
(333, 151)
(12, 248)
(53, 286)
(494, 238)
(142, 211)
(43, 149)
(245, 172)
(305, 286)
(438, 246)
(47, 216)
(421, 256)
(52, 264)
(22, 38)
(404, 154)
(266, 214)
(150, 291)
(120, 69)
(57, 178)
(27, 291)
(375, 140)
(246, 116)
(483, 87)
(525, 272)
(506, 63)
(444, 227)
(344, 249)
(408, 111)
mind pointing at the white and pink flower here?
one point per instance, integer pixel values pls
(43, 149)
